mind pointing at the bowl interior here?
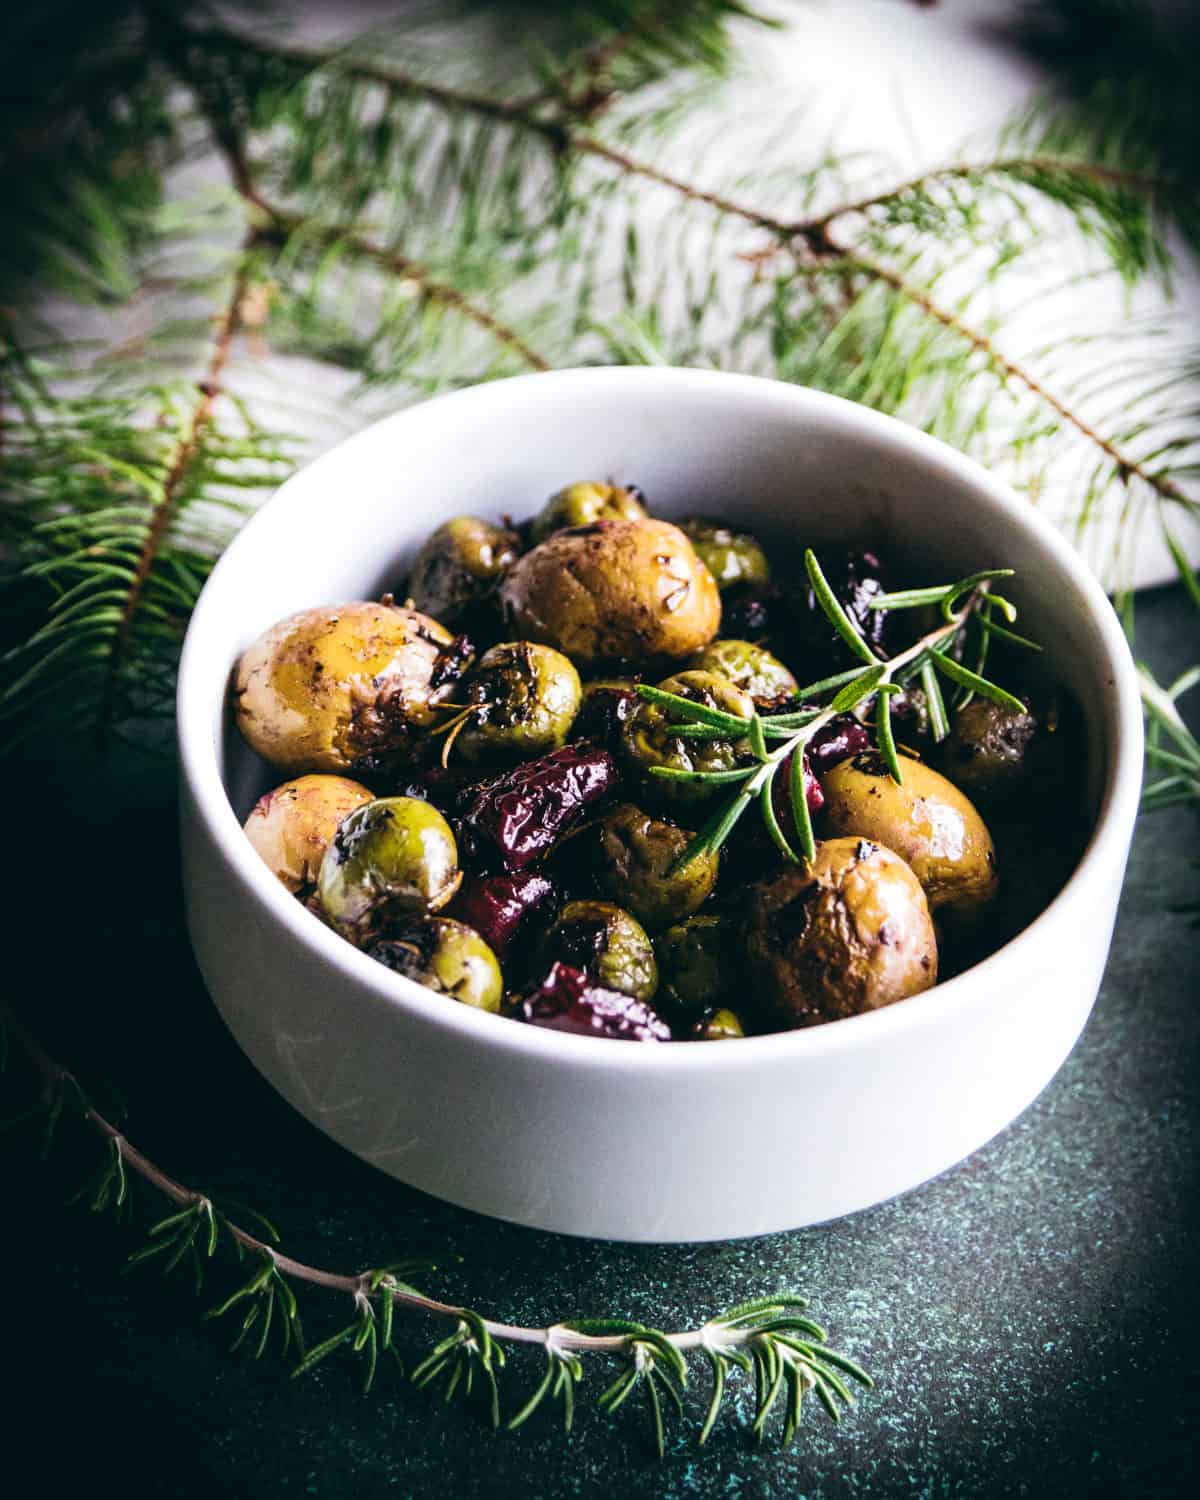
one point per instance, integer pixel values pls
(794, 465)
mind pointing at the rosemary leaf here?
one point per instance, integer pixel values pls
(778, 838)
(693, 712)
(883, 732)
(798, 797)
(964, 678)
(834, 612)
(939, 721)
(863, 685)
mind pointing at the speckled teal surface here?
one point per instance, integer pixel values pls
(1029, 1316)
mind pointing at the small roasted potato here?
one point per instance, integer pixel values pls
(582, 504)
(989, 749)
(446, 956)
(750, 668)
(732, 557)
(606, 943)
(525, 698)
(459, 566)
(328, 688)
(926, 820)
(391, 858)
(847, 934)
(292, 826)
(637, 853)
(624, 590)
(648, 742)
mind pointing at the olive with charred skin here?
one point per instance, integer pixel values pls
(695, 965)
(989, 749)
(292, 826)
(750, 668)
(615, 590)
(446, 956)
(583, 504)
(648, 741)
(391, 857)
(326, 688)
(606, 943)
(925, 819)
(459, 566)
(637, 865)
(849, 933)
(525, 698)
(732, 557)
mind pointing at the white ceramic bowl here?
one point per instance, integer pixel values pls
(605, 1138)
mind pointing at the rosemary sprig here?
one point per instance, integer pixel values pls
(960, 602)
(767, 1336)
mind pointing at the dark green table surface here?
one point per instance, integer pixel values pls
(1031, 1315)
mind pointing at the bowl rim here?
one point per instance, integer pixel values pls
(1105, 850)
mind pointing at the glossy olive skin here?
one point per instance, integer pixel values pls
(292, 826)
(526, 698)
(615, 590)
(732, 557)
(606, 943)
(926, 821)
(393, 856)
(327, 688)
(991, 749)
(583, 504)
(696, 964)
(459, 566)
(647, 742)
(636, 853)
(446, 956)
(750, 668)
(718, 1026)
(850, 933)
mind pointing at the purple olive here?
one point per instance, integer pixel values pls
(567, 1000)
(856, 577)
(514, 818)
(497, 905)
(835, 742)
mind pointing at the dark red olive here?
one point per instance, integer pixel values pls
(605, 709)
(496, 905)
(749, 611)
(567, 1000)
(514, 818)
(856, 577)
(835, 742)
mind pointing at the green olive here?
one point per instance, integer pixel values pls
(582, 504)
(847, 934)
(608, 944)
(395, 855)
(460, 564)
(750, 668)
(525, 696)
(327, 688)
(926, 820)
(637, 855)
(648, 742)
(696, 965)
(292, 826)
(718, 1026)
(446, 956)
(990, 748)
(730, 556)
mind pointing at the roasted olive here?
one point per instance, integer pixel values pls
(989, 748)
(568, 1000)
(497, 906)
(292, 826)
(607, 703)
(446, 956)
(850, 933)
(512, 819)
(637, 855)
(582, 504)
(696, 965)
(393, 856)
(856, 577)
(750, 668)
(459, 566)
(327, 688)
(607, 944)
(718, 1026)
(925, 819)
(732, 557)
(524, 698)
(648, 742)
(614, 590)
